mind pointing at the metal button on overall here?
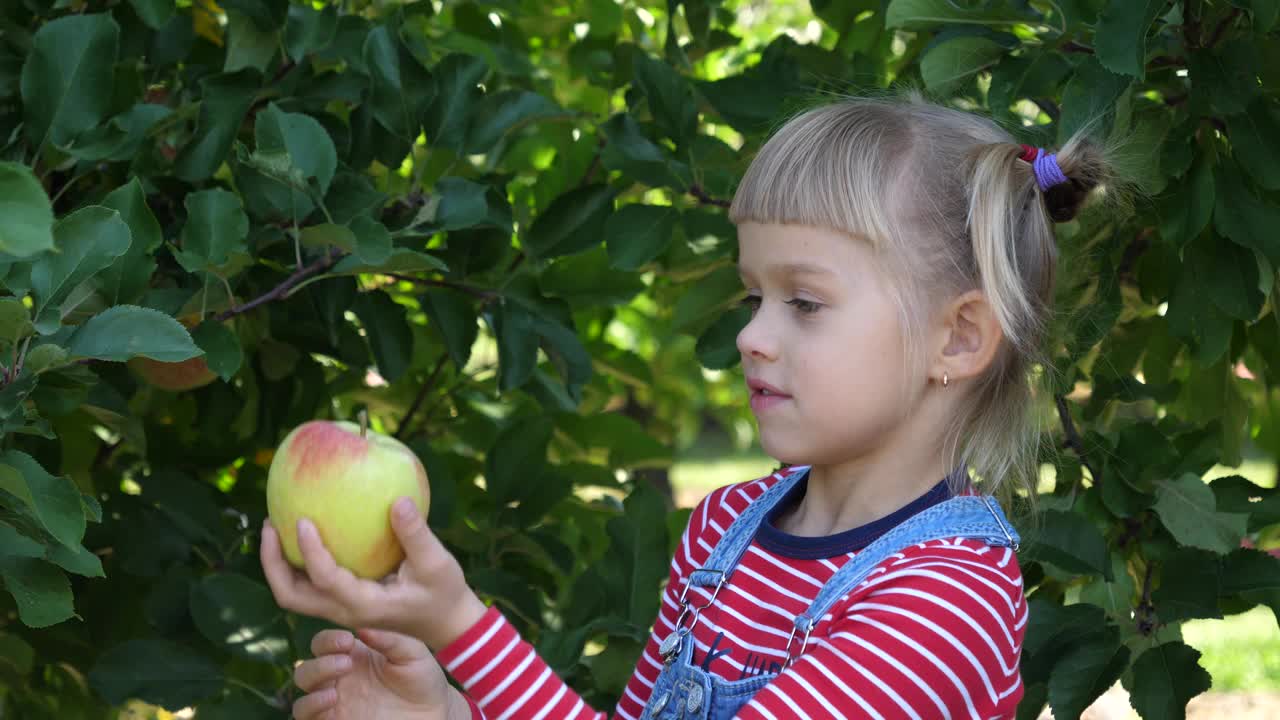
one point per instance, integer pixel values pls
(695, 697)
(661, 703)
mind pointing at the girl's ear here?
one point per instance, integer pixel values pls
(969, 336)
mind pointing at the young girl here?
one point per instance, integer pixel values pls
(898, 260)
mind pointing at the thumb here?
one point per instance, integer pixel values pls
(399, 649)
(421, 546)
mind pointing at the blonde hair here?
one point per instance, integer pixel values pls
(947, 204)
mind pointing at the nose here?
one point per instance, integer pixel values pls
(755, 340)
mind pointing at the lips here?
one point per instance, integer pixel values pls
(764, 396)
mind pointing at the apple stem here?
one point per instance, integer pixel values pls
(364, 423)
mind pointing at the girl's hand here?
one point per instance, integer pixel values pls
(428, 597)
(380, 675)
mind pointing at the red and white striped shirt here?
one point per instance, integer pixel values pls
(934, 632)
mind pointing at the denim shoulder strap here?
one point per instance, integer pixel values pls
(725, 555)
(976, 517)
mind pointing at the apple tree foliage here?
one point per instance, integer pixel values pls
(499, 228)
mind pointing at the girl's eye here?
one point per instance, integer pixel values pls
(805, 306)
(751, 302)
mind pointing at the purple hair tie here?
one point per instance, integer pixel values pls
(1045, 165)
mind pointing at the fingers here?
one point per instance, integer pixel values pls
(399, 649)
(326, 574)
(292, 590)
(314, 674)
(421, 547)
(314, 706)
(328, 642)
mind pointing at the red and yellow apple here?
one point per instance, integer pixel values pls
(174, 376)
(344, 479)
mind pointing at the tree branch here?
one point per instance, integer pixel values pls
(698, 192)
(481, 293)
(283, 288)
(422, 394)
(1073, 440)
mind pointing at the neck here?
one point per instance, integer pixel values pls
(849, 492)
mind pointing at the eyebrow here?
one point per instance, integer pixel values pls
(796, 268)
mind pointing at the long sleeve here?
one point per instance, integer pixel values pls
(937, 633)
(504, 675)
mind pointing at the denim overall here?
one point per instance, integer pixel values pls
(684, 691)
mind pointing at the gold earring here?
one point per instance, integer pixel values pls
(945, 379)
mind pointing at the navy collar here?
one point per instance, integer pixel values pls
(815, 548)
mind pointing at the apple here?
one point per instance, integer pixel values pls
(344, 478)
(174, 376)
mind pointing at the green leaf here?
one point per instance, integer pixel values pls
(401, 260)
(15, 544)
(28, 217)
(1250, 570)
(638, 157)
(1116, 595)
(1189, 583)
(1226, 77)
(215, 232)
(574, 222)
(1085, 672)
(1255, 137)
(372, 240)
(51, 501)
(240, 615)
(306, 143)
(513, 327)
(1186, 507)
(45, 357)
(127, 331)
(467, 204)
(950, 64)
(1070, 541)
(636, 560)
(1190, 206)
(308, 29)
(519, 451)
(155, 13)
(156, 671)
(76, 560)
(68, 79)
(1165, 678)
(225, 100)
(929, 14)
(41, 591)
(455, 317)
(708, 297)
(1240, 215)
(637, 234)
(586, 279)
(669, 95)
(401, 87)
(15, 320)
(1228, 275)
(388, 330)
(248, 46)
(89, 240)
(1090, 96)
(127, 279)
(501, 112)
(221, 347)
(717, 346)
(566, 351)
(1120, 40)
(457, 82)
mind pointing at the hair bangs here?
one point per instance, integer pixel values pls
(831, 167)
